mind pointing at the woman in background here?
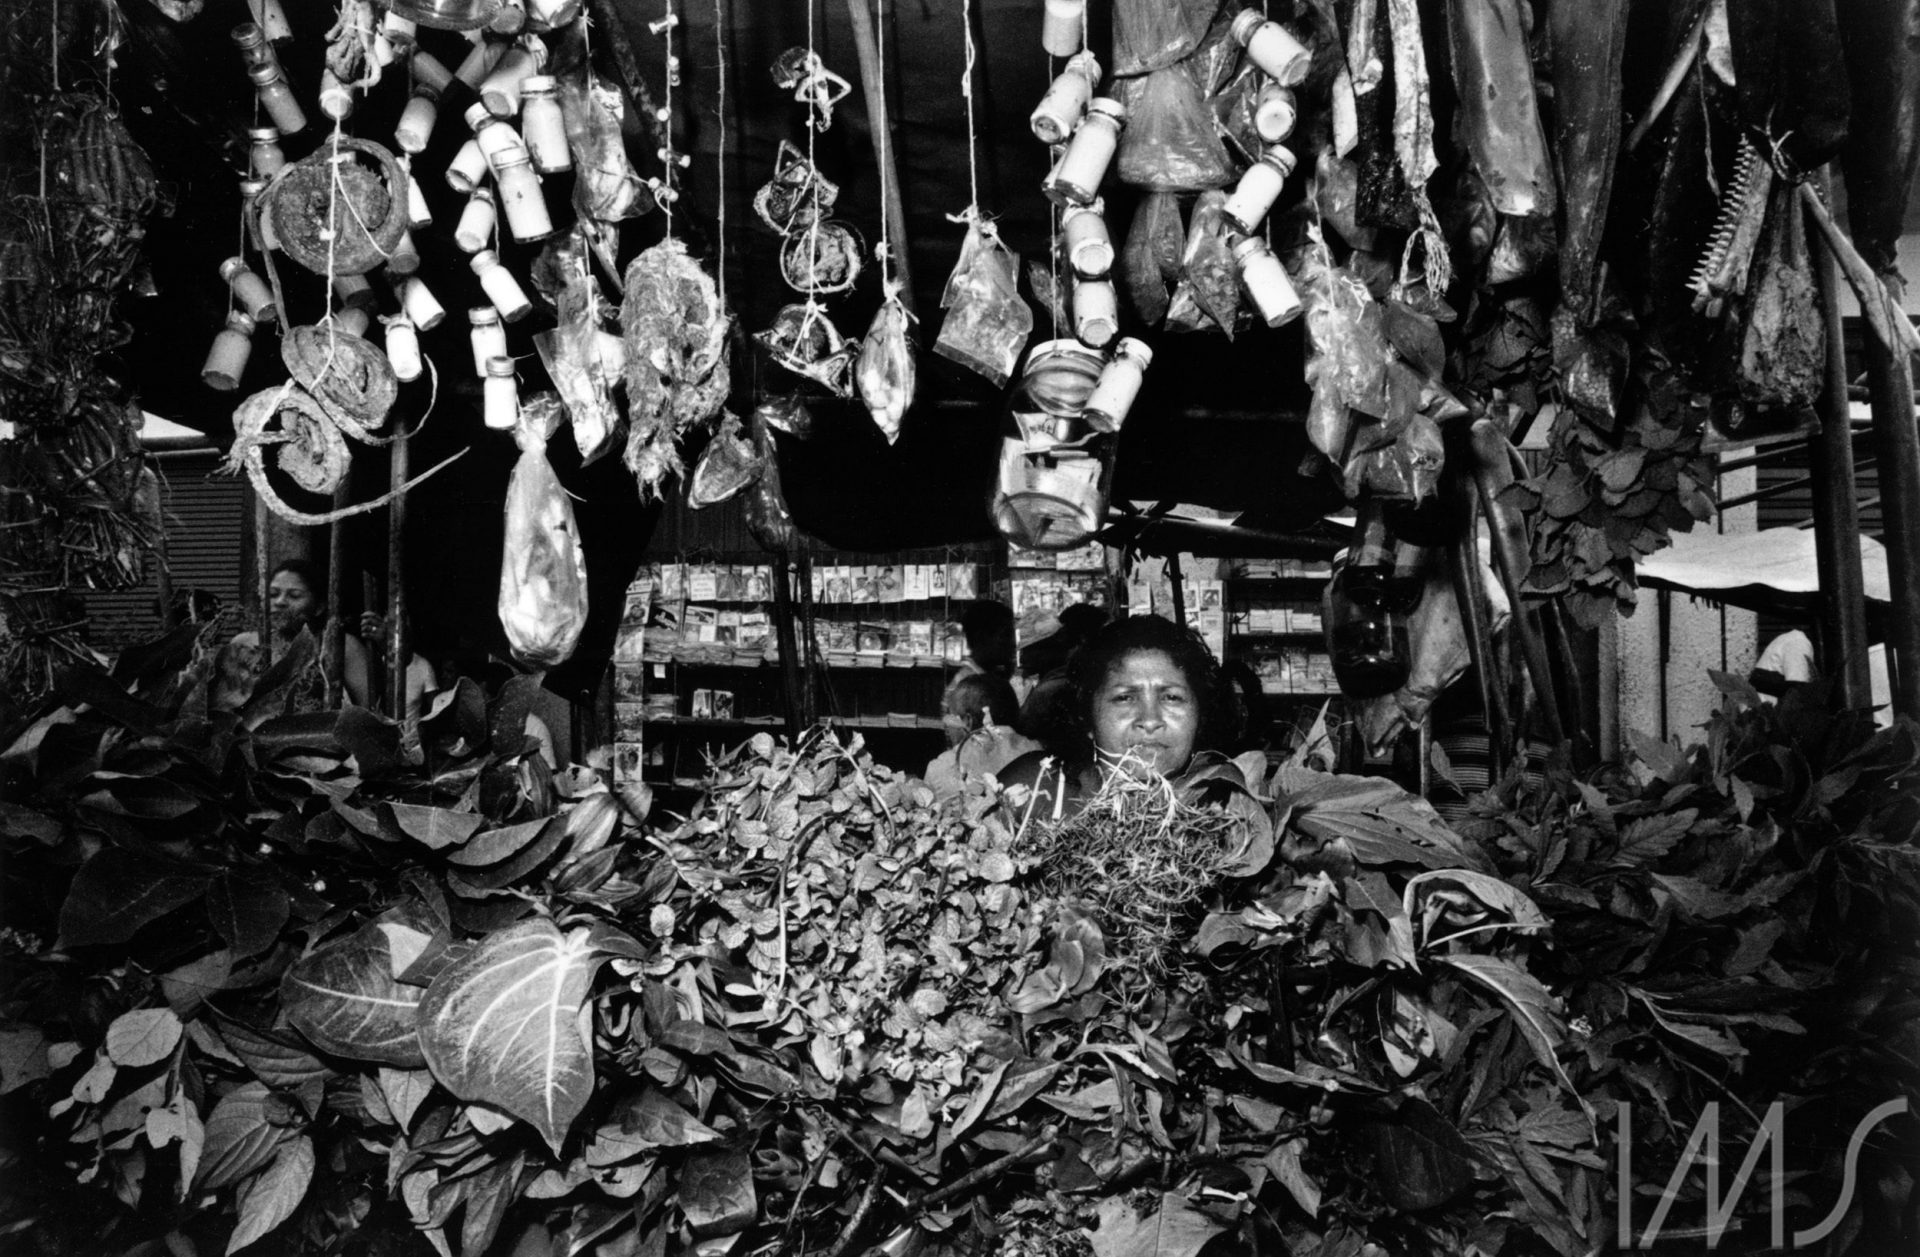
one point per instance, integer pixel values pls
(296, 600)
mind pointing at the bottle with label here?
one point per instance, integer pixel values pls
(1266, 282)
(248, 289)
(502, 395)
(1119, 385)
(1083, 228)
(543, 125)
(500, 285)
(1075, 179)
(1365, 612)
(488, 336)
(1259, 188)
(277, 99)
(1270, 47)
(475, 228)
(264, 153)
(521, 199)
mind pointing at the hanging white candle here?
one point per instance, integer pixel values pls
(353, 290)
(248, 289)
(1089, 244)
(1259, 188)
(487, 335)
(1062, 27)
(403, 348)
(476, 222)
(468, 167)
(1274, 112)
(501, 287)
(543, 127)
(1270, 47)
(502, 395)
(419, 215)
(500, 90)
(1096, 312)
(1266, 282)
(520, 198)
(1119, 384)
(227, 359)
(420, 305)
(1061, 109)
(1076, 177)
(416, 120)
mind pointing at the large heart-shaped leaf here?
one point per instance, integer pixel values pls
(247, 910)
(347, 1001)
(121, 889)
(501, 1025)
(271, 1197)
(437, 827)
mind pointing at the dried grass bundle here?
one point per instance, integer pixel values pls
(1139, 858)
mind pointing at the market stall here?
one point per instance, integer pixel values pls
(651, 419)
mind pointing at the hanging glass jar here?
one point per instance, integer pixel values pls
(264, 153)
(227, 359)
(1056, 471)
(499, 284)
(277, 98)
(543, 126)
(1075, 179)
(1089, 245)
(403, 348)
(1270, 47)
(475, 227)
(248, 289)
(1065, 103)
(488, 336)
(502, 395)
(1366, 610)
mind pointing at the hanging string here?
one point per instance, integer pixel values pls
(966, 91)
(882, 146)
(666, 125)
(813, 170)
(720, 52)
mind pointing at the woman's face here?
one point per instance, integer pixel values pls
(290, 601)
(1147, 712)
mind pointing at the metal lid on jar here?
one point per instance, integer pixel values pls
(536, 85)
(1138, 350)
(1109, 108)
(1097, 207)
(264, 135)
(480, 193)
(481, 316)
(1249, 247)
(485, 260)
(248, 35)
(500, 367)
(264, 73)
(478, 115)
(1281, 158)
(1245, 23)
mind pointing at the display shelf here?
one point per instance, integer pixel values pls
(1289, 587)
(920, 723)
(1306, 636)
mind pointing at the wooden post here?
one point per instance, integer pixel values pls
(1890, 376)
(1836, 513)
(396, 582)
(809, 708)
(263, 575)
(376, 651)
(866, 43)
(1470, 591)
(1494, 473)
(788, 640)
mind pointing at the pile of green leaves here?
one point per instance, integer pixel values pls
(303, 987)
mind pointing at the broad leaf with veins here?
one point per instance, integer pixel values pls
(345, 999)
(501, 1025)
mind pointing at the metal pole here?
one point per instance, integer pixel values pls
(397, 634)
(1836, 515)
(1890, 377)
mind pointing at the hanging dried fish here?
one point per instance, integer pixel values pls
(677, 376)
(886, 370)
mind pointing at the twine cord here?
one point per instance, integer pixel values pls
(720, 111)
(966, 92)
(666, 124)
(813, 169)
(883, 144)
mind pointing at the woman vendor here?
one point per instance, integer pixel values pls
(1147, 696)
(295, 600)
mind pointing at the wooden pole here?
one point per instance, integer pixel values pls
(376, 652)
(1470, 591)
(1890, 377)
(1493, 473)
(397, 634)
(263, 575)
(1836, 514)
(336, 632)
(875, 90)
(789, 644)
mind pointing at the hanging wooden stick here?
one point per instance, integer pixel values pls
(1492, 474)
(396, 583)
(875, 89)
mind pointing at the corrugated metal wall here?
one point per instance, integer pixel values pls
(205, 511)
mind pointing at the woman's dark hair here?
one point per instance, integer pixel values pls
(1091, 664)
(981, 697)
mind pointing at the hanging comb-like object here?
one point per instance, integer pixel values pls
(1722, 272)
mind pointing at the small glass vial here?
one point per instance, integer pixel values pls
(1063, 27)
(419, 214)
(502, 395)
(1119, 385)
(353, 290)
(277, 99)
(1274, 112)
(1259, 188)
(336, 98)
(1266, 282)
(488, 336)
(248, 289)
(1076, 176)
(1060, 110)
(227, 360)
(401, 33)
(1083, 228)
(479, 63)
(1096, 312)
(543, 127)
(259, 226)
(352, 321)
(403, 348)
(500, 285)
(417, 119)
(264, 153)
(272, 19)
(253, 46)
(468, 167)
(497, 139)
(509, 19)
(1270, 47)
(500, 90)
(430, 71)
(420, 305)
(405, 258)
(476, 222)
(520, 198)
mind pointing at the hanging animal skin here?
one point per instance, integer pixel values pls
(804, 341)
(677, 374)
(800, 71)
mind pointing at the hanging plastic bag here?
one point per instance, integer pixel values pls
(583, 359)
(987, 323)
(605, 185)
(726, 466)
(1151, 34)
(1169, 144)
(1344, 324)
(1151, 259)
(885, 373)
(1208, 276)
(1406, 461)
(543, 571)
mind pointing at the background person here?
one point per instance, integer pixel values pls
(296, 600)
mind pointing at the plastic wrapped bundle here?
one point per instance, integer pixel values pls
(987, 323)
(543, 571)
(885, 373)
(1170, 144)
